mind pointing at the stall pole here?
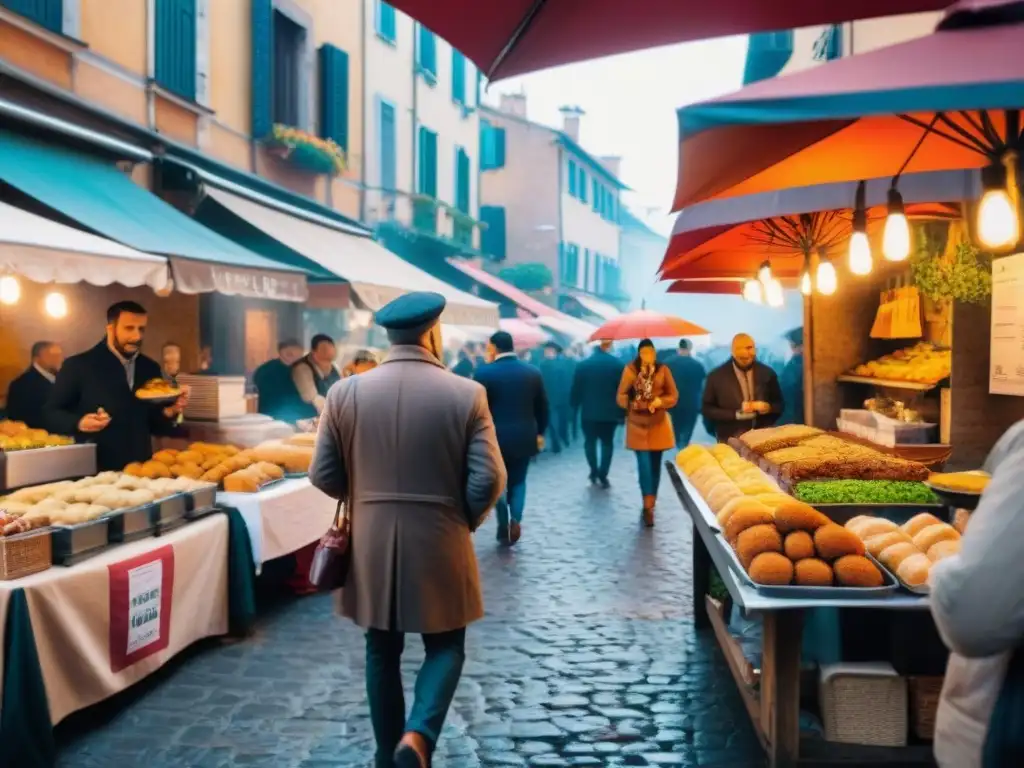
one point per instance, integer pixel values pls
(780, 685)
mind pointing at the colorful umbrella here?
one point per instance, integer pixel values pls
(948, 100)
(511, 37)
(724, 287)
(644, 324)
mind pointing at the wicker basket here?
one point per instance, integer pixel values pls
(924, 704)
(864, 704)
(25, 554)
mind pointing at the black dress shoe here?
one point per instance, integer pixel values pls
(502, 535)
(407, 757)
(605, 484)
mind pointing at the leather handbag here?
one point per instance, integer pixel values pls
(333, 556)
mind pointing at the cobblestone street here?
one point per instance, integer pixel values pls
(587, 656)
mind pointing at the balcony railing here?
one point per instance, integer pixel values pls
(422, 215)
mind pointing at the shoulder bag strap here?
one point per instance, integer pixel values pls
(344, 508)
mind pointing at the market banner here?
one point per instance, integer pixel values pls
(204, 277)
(141, 596)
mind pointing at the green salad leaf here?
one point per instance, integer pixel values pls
(864, 492)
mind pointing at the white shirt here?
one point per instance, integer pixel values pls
(45, 373)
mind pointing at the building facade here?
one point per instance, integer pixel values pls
(546, 200)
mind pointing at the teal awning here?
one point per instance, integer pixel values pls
(767, 55)
(102, 198)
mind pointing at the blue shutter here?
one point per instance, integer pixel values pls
(462, 180)
(572, 178)
(499, 147)
(384, 21)
(492, 240)
(388, 145)
(427, 162)
(334, 95)
(586, 269)
(45, 13)
(486, 146)
(175, 55)
(262, 67)
(427, 53)
(583, 185)
(596, 202)
(479, 83)
(458, 77)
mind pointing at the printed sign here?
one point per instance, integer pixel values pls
(1006, 371)
(140, 606)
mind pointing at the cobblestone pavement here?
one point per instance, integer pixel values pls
(587, 656)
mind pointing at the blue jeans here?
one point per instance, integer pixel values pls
(513, 500)
(648, 466)
(435, 687)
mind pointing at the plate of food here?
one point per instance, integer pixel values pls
(158, 391)
(960, 490)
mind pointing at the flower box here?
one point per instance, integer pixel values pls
(305, 151)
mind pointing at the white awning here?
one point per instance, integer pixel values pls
(578, 330)
(376, 274)
(602, 309)
(45, 251)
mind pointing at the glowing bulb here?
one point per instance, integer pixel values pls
(752, 291)
(764, 273)
(805, 283)
(998, 224)
(896, 237)
(773, 293)
(10, 290)
(860, 254)
(56, 305)
(826, 277)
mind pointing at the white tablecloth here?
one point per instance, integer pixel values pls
(282, 519)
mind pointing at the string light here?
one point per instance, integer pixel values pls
(752, 291)
(896, 235)
(860, 260)
(806, 285)
(56, 305)
(10, 290)
(998, 223)
(826, 277)
(773, 293)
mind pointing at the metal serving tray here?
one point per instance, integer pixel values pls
(201, 502)
(36, 466)
(169, 513)
(131, 524)
(74, 543)
(956, 499)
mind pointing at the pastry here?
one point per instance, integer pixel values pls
(914, 570)
(943, 549)
(933, 534)
(771, 568)
(877, 544)
(755, 540)
(833, 541)
(722, 494)
(872, 526)
(857, 571)
(918, 523)
(812, 572)
(798, 545)
(893, 556)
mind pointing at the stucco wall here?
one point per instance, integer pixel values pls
(582, 226)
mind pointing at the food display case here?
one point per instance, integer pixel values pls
(45, 465)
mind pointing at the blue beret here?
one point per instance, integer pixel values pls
(410, 310)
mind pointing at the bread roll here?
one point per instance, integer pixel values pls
(771, 568)
(893, 556)
(755, 540)
(943, 549)
(913, 571)
(833, 541)
(877, 544)
(721, 495)
(872, 526)
(933, 534)
(918, 523)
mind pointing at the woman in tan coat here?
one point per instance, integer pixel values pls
(647, 392)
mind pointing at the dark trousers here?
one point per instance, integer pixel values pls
(599, 433)
(683, 425)
(558, 429)
(435, 687)
(513, 500)
(648, 465)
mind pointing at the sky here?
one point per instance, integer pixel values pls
(630, 103)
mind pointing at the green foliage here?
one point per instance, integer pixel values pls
(528, 277)
(965, 275)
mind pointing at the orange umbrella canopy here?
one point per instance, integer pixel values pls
(644, 324)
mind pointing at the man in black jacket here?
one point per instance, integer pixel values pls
(595, 385)
(27, 394)
(94, 398)
(689, 376)
(742, 394)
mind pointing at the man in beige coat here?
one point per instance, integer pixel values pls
(413, 449)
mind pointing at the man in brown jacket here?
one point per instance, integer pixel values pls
(413, 450)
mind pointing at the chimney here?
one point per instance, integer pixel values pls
(612, 164)
(571, 122)
(514, 104)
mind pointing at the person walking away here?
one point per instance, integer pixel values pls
(595, 388)
(689, 376)
(26, 395)
(573, 359)
(741, 394)
(315, 374)
(413, 451)
(792, 380)
(558, 387)
(274, 384)
(647, 392)
(976, 603)
(464, 366)
(519, 407)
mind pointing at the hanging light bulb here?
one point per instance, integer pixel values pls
(773, 293)
(860, 261)
(896, 235)
(56, 305)
(752, 291)
(806, 286)
(998, 221)
(764, 273)
(825, 279)
(10, 290)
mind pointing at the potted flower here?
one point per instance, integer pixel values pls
(305, 151)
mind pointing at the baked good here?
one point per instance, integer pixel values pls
(755, 540)
(774, 500)
(721, 495)
(771, 568)
(705, 478)
(812, 572)
(733, 505)
(762, 441)
(270, 471)
(893, 556)
(798, 545)
(857, 571)
(914, 570)
(833, 541)
(166, 456)
(918, 523)
(796, 516)
(747, 517)
(877, 544)
(720, 451)
(933, 534)
(134, 469)
(872, 526)
(943, 549)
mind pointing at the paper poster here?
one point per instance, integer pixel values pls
(1006, 369)
(140, 606)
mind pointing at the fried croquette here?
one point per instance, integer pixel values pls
(746, 517)
(797, 516)
(771, 568)
(755, 540)
(812, 572)
(798, 545)
(833, 541)
(857, 571)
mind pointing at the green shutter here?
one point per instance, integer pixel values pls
(334, 95)
(45, 13)
(458, 77)
(462, 180)
(262, 67)
(492, 240)
(427, 162)
(175, 55)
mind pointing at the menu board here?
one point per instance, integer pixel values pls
(1006, 368)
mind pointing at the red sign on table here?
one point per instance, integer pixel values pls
(140, 606)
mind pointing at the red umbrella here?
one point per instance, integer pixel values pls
(511, 37)
(725, 287)
(643, 324)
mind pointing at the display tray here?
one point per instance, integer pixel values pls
(73, 543)
(956, 499)
(813, 593)
(898, 513)
(168, 513)
(36, 466)
(131, 524)
(917, 386)
(200, 503)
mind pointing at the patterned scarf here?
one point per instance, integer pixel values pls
(643, 388)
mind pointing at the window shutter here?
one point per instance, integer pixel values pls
(596, 202)
(428, 162)
(583, 185)
(71, 20)
(493, 237)
(427, 51)
(176, 47)
(384, 19)
(202, 87)
(45, 13)
(334, 95)
(262, 67)
(499, 147)
(458, 77)
(386, 134)
(572, 178)
(486, 146)
(462, 180)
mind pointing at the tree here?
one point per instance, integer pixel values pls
(528, 277)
